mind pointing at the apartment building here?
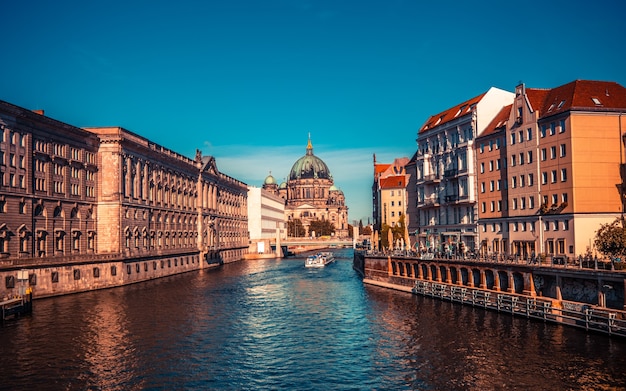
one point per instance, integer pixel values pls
(565, 149)
(390, 192)
(446, 199)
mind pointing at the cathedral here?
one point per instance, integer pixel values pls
(310, 195)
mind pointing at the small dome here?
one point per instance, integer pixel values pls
(335, 188)
(309, 166)
(269, 180)
(283, 185)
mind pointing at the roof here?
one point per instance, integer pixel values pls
(452, 113)
(498, 122)
(584, 95)
(392, 182)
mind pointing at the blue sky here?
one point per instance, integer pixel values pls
(247, 81)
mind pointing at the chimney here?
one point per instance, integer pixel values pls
(40, 112)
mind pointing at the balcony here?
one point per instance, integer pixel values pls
(431, 178)
(451, 173)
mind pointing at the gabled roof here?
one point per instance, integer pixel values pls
(392, 182)
(380, 168)
(584, 95)
(536, 97)
(498, 123)
(452, 113)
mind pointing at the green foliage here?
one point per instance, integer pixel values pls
(295, 228)
(610, 239)
(321, 228)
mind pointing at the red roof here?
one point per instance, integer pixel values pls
(498, 122)
(585, 95)
(392, 182)
(452, 113)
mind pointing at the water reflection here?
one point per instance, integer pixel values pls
(273, 324)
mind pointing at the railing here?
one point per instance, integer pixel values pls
(582, 316)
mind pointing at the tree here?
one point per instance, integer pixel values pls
(610, 239)
(321, 228)
(295, 228)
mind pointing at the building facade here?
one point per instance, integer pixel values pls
(266, 218)
(390, 192)
(565, 151)
(311, 195)
(446, 175)
(82, 209)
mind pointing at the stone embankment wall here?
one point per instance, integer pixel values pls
(593, 299)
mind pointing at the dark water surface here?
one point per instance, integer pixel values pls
(274, 325)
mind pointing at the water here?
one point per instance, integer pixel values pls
(275, 325)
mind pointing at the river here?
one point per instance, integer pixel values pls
(275, 325)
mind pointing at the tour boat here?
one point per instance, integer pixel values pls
(319, 260)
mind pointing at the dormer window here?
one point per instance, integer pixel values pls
(561, 104)
(551, 107)
(596, 101)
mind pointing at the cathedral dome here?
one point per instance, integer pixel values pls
(269, 180)
(309, 166)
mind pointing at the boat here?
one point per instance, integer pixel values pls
(320, 259)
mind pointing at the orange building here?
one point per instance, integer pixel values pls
(564, 150)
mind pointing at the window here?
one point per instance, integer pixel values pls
(523, 203)
(491, 185)
(482, 187)
(562, 126)
(513, 158)
(553, 152)
(522, 180)
(543, 154)
(553, 176)
(492, 206)
(512, 138)
(490, 165)
(529, 134)
(520, 136)
(530, 179)
(514, 203)
(562, 150)
(531, 202)
(498, 184)
(564, 198)
(555, 199)
(499, 205)
(565, 225)
(482, 147)
(513, 182)
(483, 207)
(521, 158)
(482, 167)
(563, 174)
(543, 131)
(498, 164)
(544, 178)
(530, 157)
(552, 128)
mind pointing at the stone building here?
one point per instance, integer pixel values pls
(82, 209)
(389, 191)
(310, 194)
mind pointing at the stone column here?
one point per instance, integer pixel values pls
(483, 279)
(511, 288)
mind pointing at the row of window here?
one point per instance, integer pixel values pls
(521, 203)
(76, 273)
(60, 150)
(527, 135)
(523, 226)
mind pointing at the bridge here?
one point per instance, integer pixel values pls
(317, 243)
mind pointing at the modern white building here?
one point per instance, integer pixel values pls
(266, 220)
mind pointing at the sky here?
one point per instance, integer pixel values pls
(247, 81)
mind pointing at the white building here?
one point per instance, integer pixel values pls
(445, 177)
(266, 219)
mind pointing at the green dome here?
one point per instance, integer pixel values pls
(283, 185)
(269, 180)
(309, 166)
